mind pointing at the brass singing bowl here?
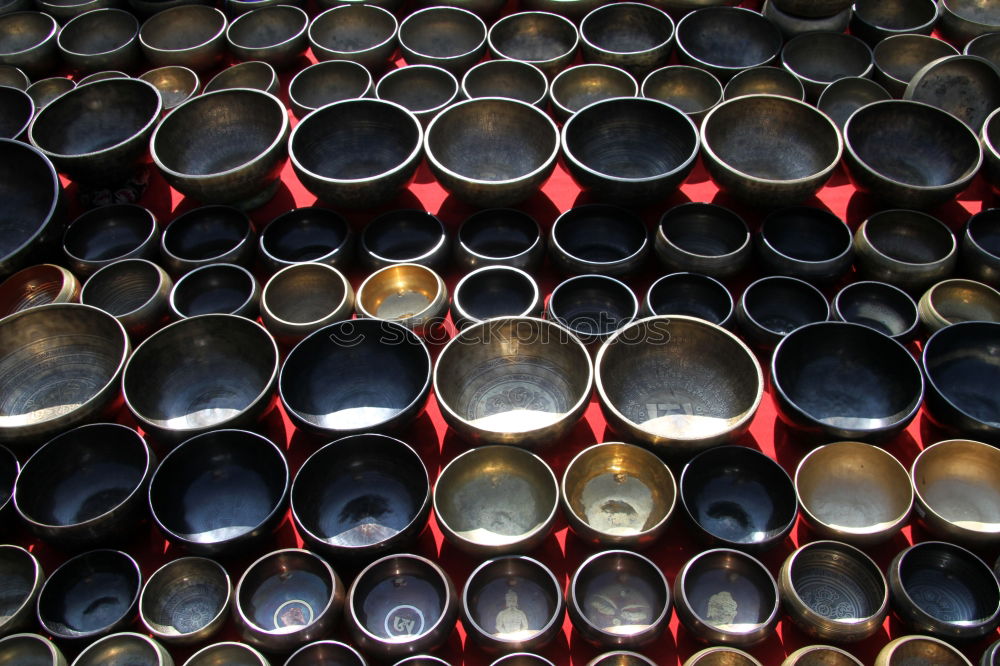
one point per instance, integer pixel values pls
(37, 285)
(703, 238)
(899, 57)
(694, 91)
(967, 87)
(907, 650)
(207, 235)
(31, 193)
(792, 26)
(691, 294)
(961, 370)
(598, 238)
(450, 37)
(216, 289)
(307, 234)
(574, 10)
(363, 33)
(14, 77)
(65, 10)
(408, 294)
(192, 36)
(275, 35)
(228, 653)
(253, 74)
(326, 652)
(30, 650)
(546, 40)
(510, 79)
(426, 90)
(960, 21)
(576, 87)
(186, 601)
(45, 91)
(495, 291)
(956, 300)
(21, 578)
(17, 108)
(727, 40)
(844, 96)
(635, 37)
(618, 495)
(620, 658)
(327, 82)
(981, 247)
(906, 248)
(499, 237)
(303, 298)
(175, 83)
(878, 305)
(101, 39)
(677, 384)
(764, 80)
(819, 59)
(28, 42)
(875, 20)
(721, 656)
(135, 649)
(820, 655)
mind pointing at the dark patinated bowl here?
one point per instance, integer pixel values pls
(207, 235)
(101, 39)
(981, 247)
(90, 596)
(906, 248)
(308, 234)
(21, 577)
(45, 91)
(727, 40)
(327, 652)
(98, 134)
(598, 238)
(107, 234)
(764, 80)
(407, 236)
(880, 306)
(253, 74)
(28, 42)
(906, 650)
(450, 37)
(216, 289)
(17, 108)
(303, 298)
(821, 655)
(546, 40)
(327, 386)
(430, 660)
(101, 76)
(985, 46)
(630, 150)
(990, 137)
(362, 33)
(339, 514)
(574, 10)
(791, 25)
(768, 150)
(36, 285)
(186, 601)
(14, 77)
(956, 300)
(899, 57)
(961, 21)
(488, 10)
(31, 214)
(634, 36)
(274, 34)
(511, 79)
(175, 83)
(703, 238)
(813, 8)
(875, 20)
(772, 307)
(408, 294)
(30, 650)
(992, 653)
(694, 91)
(134, 649)
(324, 145)
(499, 237)
(189, 35)
(494, 291)
(578, 86)
(835, 380)
(721, 656)
(819, 59)
(845, 96)
(9, 469)
(621, 658)
(690, 294)
(592, 306)
(425, 90)
(228, 653)
(967, 87)
(220, 491)
(805, 242)
(327, 82)
(199, 374)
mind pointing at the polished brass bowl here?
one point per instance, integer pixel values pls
(408, 294)
(598, 238)
(450, 37)
(906, 248)
(14, 77)
(952, 301)
(360, 32)
(307, 234)
(844, 96)
(207, 235)
(690, 294)
(878, 305)
(543, 39)
(303, 298)
(764, 80)
(30, 650)
(875, 20)
(135, 649)
(820, 655)
(253, 74)
(578, 86)
(768, 150)
(961, 371)
(227, 654)
(186, 601)
(494, 500)
(98, 134)
(31, 193)
(499, 237)
(494, 291)
(275, 35)
(192, 36)
(45, 91)
(942, 82)
(621, 658)
(960, 21)
(805, 242)
(513, 380)
(224, 147)
(176, 84)
(99, 40)
(327, 82)
(819, 59)
(721, 656)
(677, 384)
(17, 108)
(694, 91)
(491, 152)
(907, 650)
(791, 26)
(21, 577)
(37, 285)
(618, 495)
(774, 306)
(216, 289)
(899, 57)
(703, 238)
(199, 374)
(635, 37)
(593, 307)
(326, 652)
(28, 42)
(426, 90)
(510, 79)
(727, 40)
(981, 247)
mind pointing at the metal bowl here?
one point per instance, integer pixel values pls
(547, 41)
(28, 42)
(450, 37)
(951, 301)
(677, 384)
(428, 660)
(985, 46)
(227, 654)
(136, 649)
(308, 234)
(408, 294)
(692, 295)
(905, 248)
(65, 10)
(963, 20)
(764, 80)
(21, 577)
(510, 79)
(636, 37)
(100, 39)
(768, 150)
(494, 291)
(108, 234)
(216, 289)
(362, 33)
(199, 374)
(820, 655)
(224, 147)
(875, 20)
(175, 84)
(880, 306)
(805, 242)
(990, 138)
(31, 194)
(339, 514)
(14, 77)
(581, 85)
(721, 656)
(592, 306)
(9, 469)
(207, 235)
(513, 380)
(190, 35)
(326, 652)
(327, 82)
(406, 236)
(359, 401)
(694, 91)
(90, 596)
(324, 145)
(620, 658)
(186, 601)
(45, 91)
(491, 152)
(37, 285)
(425, 90)
(844, 96)
(574, 10)
(220, 491)
(726, 597)
(30, 650)
(274, 34)
(772, 307)
(981, 247)
(17, 108)
(967, 87)
(98, 134)
(791, 25)
(703, 238)
(101, 76)
(499, 237)
(630, 150)
(835, 380)
(907, 650)
(899, 57)
(727, 40)
(303, 298)
(253, 74)
(598, 238)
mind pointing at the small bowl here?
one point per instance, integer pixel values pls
(593, 307)
(819, 59)
(192, 36)
(323, 149)
(326, 652)
(90, 596)
(13, 77)
(31, 650)
(175, 84)
(510, 79)
(899, 57)
(905, 248)
(812, 8)
(494, 291)
(619, 599)
(136, 649)
(45, 91)
(303, 298)
(408, 294)
(878, 140)
(408, 236)
(308, 234)
(547, 41)
(721, 656)
(692, 295)
(694, 91)
(985, 46)
(951, 301)
(216, 289)
(28, 42)
(102, 75)
(98, 134)
(108, 234)
(37, 285)
(703, 238)
(99, 40)
(618, 495)
(620, 658)
(220, 492)
(425, 90)
(186, 601)
(598, 238)
(981, 247)
(764, 80)
(581, 85)
(880, 306)
(360, 401)
(488, 10)
(22, 578)
(448, 37)
(512, 603)
(961, 21)
(630, 150)
(286, 599)
(207, 235)
(327, 82)
(472, 382)
(635, 37)
(791, 25)
(634, 365)
(275, 34)
(32, 192)
(727, 40)
(65, 10)
(227, 654)
(805, 242)
(499, 237)
(17, 108)
(875, 20)
(362, 33)
(344, 518)
(224, 147)
(253, 74)
(907, 649)
(772, 307)
(401, 605)
(200, 374)
(844, 96)
(820, 655)
(495, 500)
(942, 82)
(491, 152)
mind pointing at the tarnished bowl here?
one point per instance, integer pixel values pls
(967, 87)
(108, 234)
(875, 20)
(192, 36)
(692, 295)
(9, 469)
(694, 91)
(543, 39)
(408, 294)
(721, 656)
(176, 84)
(981, 247)
(630, 151)
(17, 108)
(880, 306)
(450, 37)
(430, 660)
(805, 242)
(360, 497)
(13, 77)
(326, 652)
(772, 307)
(985, 46)
(308, 234)
(199, 374)
(844, 96)
(219, 492)
(620, 658)
(634, 36)
(491, 152)
(136, 649)
(703, 238)
(494, 291)
(275, 35)
(906, 248)
(45, 91)
(990, 137)
(899, 57)
(819, 59)
(207, 235)
(359, 401)
(791, 25)
(407, 236)
(963, 20)
(28, 42)
(21, 577)
(578, 86)
(510, 79)
(327, 82)
(501, 237)
(513, 380)
(727, 40)
(485, 9)
(102, 75)
(598, 238)
(100, 39)
(820, 655)
(907, 650)
(425, 90)
(216, 289)
(593, 307)
(360, 32)
(303, 298)
(186, 601)
(768, 150)
(253, 74)
(227, 654)
(956, 300)
(30, 650)
(764, 80)
(98, 134)
(677, 384)
(31, 197)
(37, 285)
(618, 495)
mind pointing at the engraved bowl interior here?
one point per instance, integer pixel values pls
(692, 295)
(576, 87)
(105, 234)
(400, 598)
(37, 285)
(185, 600)
(957, 484)
(511, 600)
(125, 287)
(285, 591)
(618, 594)
(176, 84)
(728, 591)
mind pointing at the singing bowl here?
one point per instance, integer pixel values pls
(325, 144)
(813, 8)
(14, 77)
(510, 79)
(805, 242)
(581, 85)
(692, 295)
(134, 649)
(199, 374)
(326, 652)
(499, 237)
(275, 35)
(820, 655)
(22, 578)
(792, 26)
(985, 46)
(341, 516)
(494, 291)
(899, 57)
(308, 234)
(192, 36)
(721, 656)
(327, 387)
(108, 234)
(400, 605)
(45, 91)
(768, 150)
(630, 150)
(491, 152)
(408, 294)
(967, 87)
(764, 80)
(207, 235)
(618, 495)
(102, 75)
(30, 650)
(450, 37)
(286, 599)
(593, 307)
(99, 40)
(253, 74)
(844, 96)
(907, 650)
(31, 194)
(303, 298)
(990, 138)
(694, 91)
(228, 653)
(9, 469)
(703, 238)
(224, 147)
(620, 658)
(960, 21)
(17, 108)
(574, 10)
(407, 236)
(951, 301)
(513, 380)
(880, 306)
(618, 599)
(219, 492)
(425, 660)
(216, 289)
(186, 601)
(363, 33)
(327, 82)
(65, 10)
(175, 84)
(98, 134)
(37, 285)
(512, 603)
(543, 39)
(598, 238)
(961, 375)
(874, 21)
(89, 596)
(981, 247)
(726, 40)
(906, 248)
(425, 90)
(636, 37)
(677, 384)
(28, 42)
(819, 59)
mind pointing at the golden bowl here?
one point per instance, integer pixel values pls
(956, 300)
(408, 294)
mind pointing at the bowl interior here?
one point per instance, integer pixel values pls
(250, 74)
(834, 582)
(765, 80)
(920, 648)
(399, 598)
(724, 37)
(176, 84)
(599, 234)
(496, 293)
(984, 231)
(89, 593)
(958, 481)
(216, 288)
(18, 575)
(109, 232)
(579, 86)
(512, 599)
(909, 237)
(949, 584)
(902, 56)
(98, 32)
(692, 295)
(182, 28)
(500, 233)
(269, 27)
(30, 187)
(506, 78)
(403, 235)
(442, 32)
(352, 28)
(29, 650)
(877, 305)
(418, 88)
(304, 294)
(964, 300)
(329, 81)
(400, 292)
(36, 285)
(593, 305)
(22, 31)
(206, 233)
(227, 654)
(130, 648)
(962, 367)
(627, 28)
(304, 234)
(826, 57)
(688, 88)
(286, 591)
(533, 37)
(896, 14)
(730, 591)
(704, 230)
(806, 235)
(619, 593)
(185, 596)
(123, 287)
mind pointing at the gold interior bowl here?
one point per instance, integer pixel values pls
(820, 655)
(957, 300)
(853, 492)
(910, 650)
(678, 384)
(408, 294)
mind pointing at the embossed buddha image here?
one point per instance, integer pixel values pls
(620, 604)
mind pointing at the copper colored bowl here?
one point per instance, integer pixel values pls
(408, 294)
(38, 285)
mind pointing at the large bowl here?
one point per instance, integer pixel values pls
(30, 650)
(727, 40)
(21, 577)
(28, 42)
(30, 203)
(186, 601)
(906, 248)
(188, 35)
(275, 35)
(99, 40)
(107, 234)
(304, 298)
(449, 37)
(360, 32)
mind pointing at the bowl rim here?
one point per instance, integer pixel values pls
(447, 77)
(608, 70)
(298, 12)
(159, 650)
(205, 10)
(199, 271)
(289, 217)
(726, 9)
(984, 135)
(245, 64)
(609, 282)
(432, 305)
(51, 34)
(268, 314)
(461, 242)
(94, 14)
(563, 22)
(524, 277)
(55, 194)
(454, 10)
(526, 67)
(162, 280)
(295, 82)
(816, 217)
(655, 13)
(325, 15)
(54, 653)
(881, 286)
(728, 94)
(28, 598)
(926, 506)
(767, 280)
(727, 215)
(930, 301)
(931, 221)
(946, 10)
(360, 661)
(162, 571)
(95, 214)
(227, 645)
(707, 280)
(889, 649)
(887, 31)
(809, 38)
(926, 370)
(193, 214)
(621, 215)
